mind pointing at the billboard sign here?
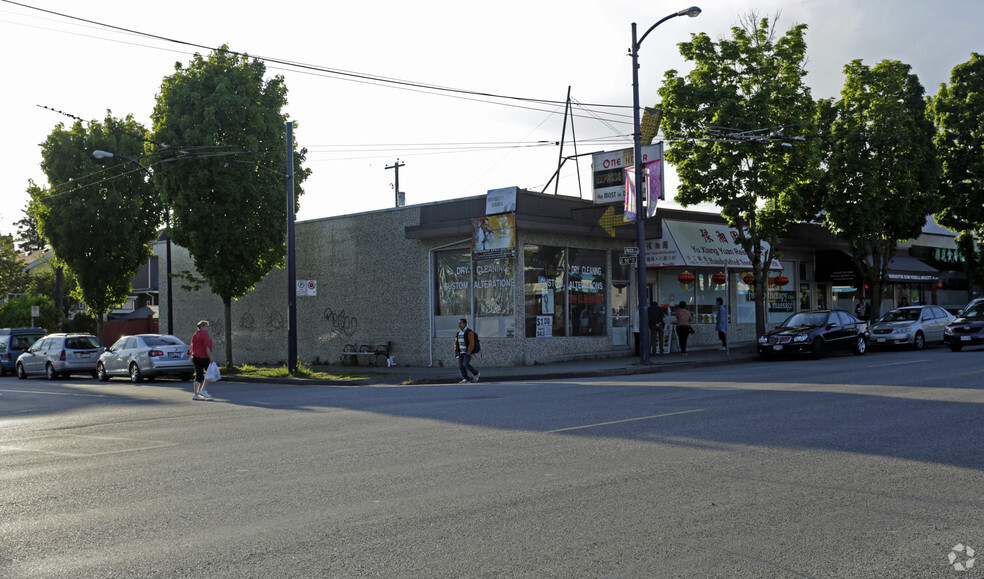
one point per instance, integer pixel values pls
(608, 168)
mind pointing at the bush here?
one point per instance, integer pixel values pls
(17, 313)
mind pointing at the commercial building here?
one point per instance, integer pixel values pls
(541, 278)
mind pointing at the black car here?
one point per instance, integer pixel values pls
(967, 329)
(815, 332)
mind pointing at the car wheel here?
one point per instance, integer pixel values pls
(860, 346)
(817, 349)
(135, 375)
(919, 341)
(49, 372)
(3, 371)
(956, 347)
(20, 372)
(101, 374)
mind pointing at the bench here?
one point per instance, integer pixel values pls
(351, 353)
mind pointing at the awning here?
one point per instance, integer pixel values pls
(838, 267)
(904, 268)
(689, 244)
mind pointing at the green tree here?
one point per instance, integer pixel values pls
(880, 181)
(228, 206)
(753, 85)
(13, 280)
(28, 236)
(17, 313)
(99, 217)
(958, 111)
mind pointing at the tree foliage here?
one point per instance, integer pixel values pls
(958, 111)
(16, 313)
(28, 236)
(750, 84)
(229, 208)
(13, 280)
(98, 216)
(879, 182)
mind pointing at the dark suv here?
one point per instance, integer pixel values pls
(13, 342)
(60, 355)
(967, 329)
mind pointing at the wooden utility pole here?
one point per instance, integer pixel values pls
(396, 171)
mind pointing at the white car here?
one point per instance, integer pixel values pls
(146, 356)
(913, 326)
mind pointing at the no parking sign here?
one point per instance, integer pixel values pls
(307, 287)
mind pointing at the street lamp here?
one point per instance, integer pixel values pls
(644, 343)
(167, 235)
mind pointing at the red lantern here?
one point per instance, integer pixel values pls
(719, 278)
(686, 278)
(749, 278)
(781, 280)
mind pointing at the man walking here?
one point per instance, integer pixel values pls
(464, 347)
(722, 324)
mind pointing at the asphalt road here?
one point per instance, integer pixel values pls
(849, 466)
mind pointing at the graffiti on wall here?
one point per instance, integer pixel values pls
(341, 322)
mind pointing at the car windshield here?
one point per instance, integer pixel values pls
(806, 319)
(82, 343)
(162, 341)
(975, 311)
(907, 315)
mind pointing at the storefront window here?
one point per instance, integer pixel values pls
(546, 306)
(453, 293)
(586, 292)
(494, 297)
(489, 281)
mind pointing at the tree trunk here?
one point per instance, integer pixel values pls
(59, 297)
(761, 288)
(227, 303)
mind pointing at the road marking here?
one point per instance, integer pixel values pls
(626, 420)
(971, 372)
(900, 363)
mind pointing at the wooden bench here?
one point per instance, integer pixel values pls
(351, 353)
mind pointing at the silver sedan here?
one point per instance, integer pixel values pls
(913, 326)
(146, 356)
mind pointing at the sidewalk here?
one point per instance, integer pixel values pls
(622, 366)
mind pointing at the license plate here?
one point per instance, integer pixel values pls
(85, 355)
(777, 347)
(964, 338)
(881, 339)
(175, 354)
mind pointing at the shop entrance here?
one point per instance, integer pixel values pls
(814, 296)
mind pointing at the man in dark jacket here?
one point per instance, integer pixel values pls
(656, 327)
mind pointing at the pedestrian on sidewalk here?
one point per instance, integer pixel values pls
(634, 322)
(683, 326)
(722, 324)
(201, 357)
(657, 323)
(464, 347)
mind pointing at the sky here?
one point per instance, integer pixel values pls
(451, 144)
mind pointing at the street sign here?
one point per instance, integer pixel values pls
(632, 250)
(307, 287)
(630, 260)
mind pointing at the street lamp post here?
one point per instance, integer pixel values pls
(644, 339)
(167, 235)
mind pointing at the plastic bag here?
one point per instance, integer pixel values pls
(212, 374)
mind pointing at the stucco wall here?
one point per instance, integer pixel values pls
(373, 284)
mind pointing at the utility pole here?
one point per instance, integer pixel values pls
(396, 171)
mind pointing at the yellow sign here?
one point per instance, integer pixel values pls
(610, 220)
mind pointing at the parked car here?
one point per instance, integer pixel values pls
(13, 342)
(911, 326)
(58, 355)
(815, 332)
(146, 356)
(967, 329)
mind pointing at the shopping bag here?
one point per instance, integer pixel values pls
(212, 374)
